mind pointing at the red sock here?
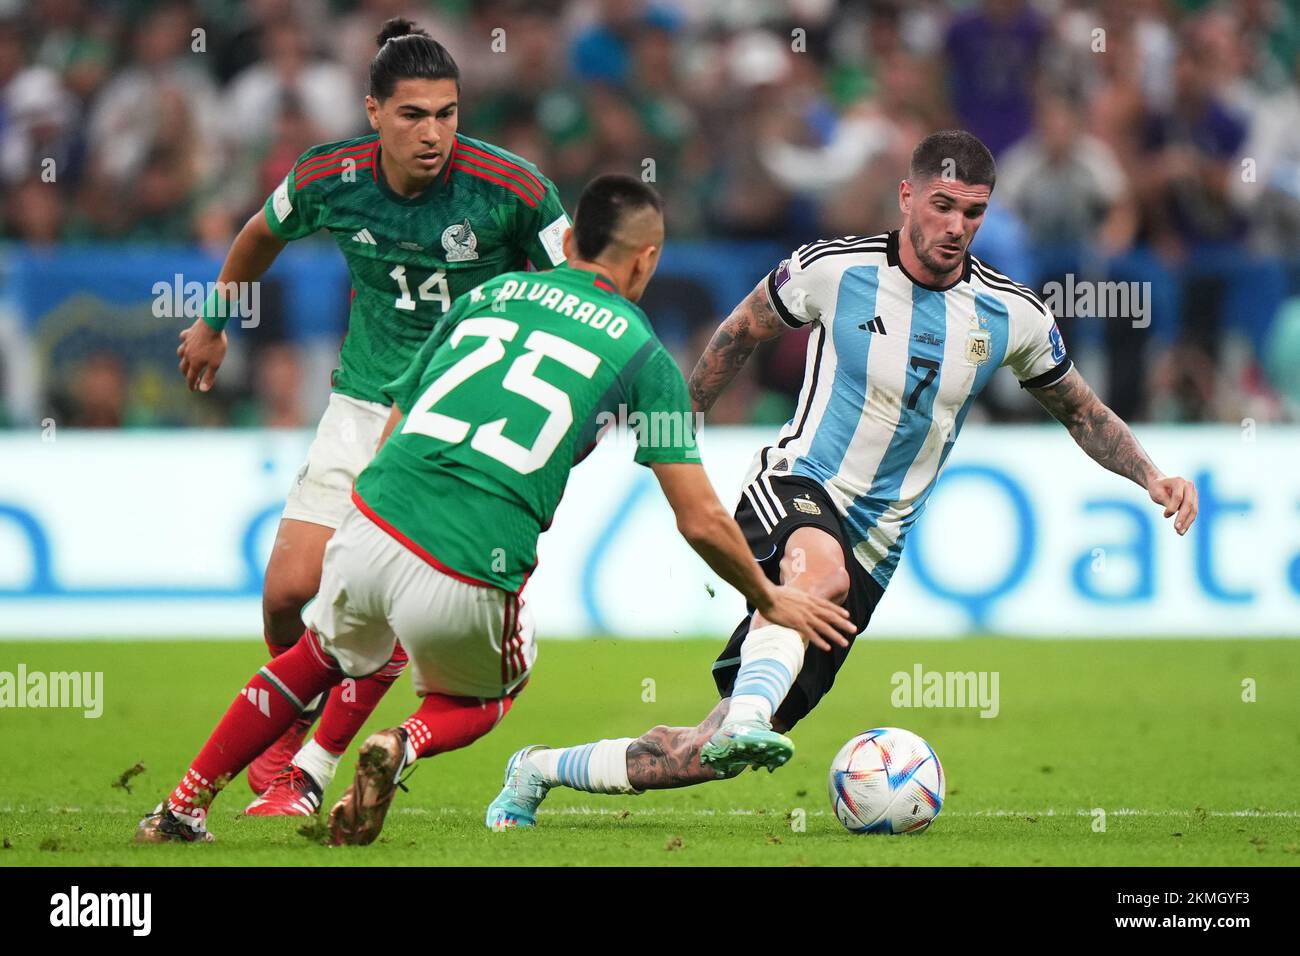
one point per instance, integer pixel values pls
(448, 723)
(263, 711)
(350, 703)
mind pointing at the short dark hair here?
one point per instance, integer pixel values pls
(602, 206)
(953, 154)
(408, 53)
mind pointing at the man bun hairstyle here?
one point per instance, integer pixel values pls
(408, 53)
(603, 205)
(953, 154)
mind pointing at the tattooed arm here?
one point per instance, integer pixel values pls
(751, 322)
(1109, 442)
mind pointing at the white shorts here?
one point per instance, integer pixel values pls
(465, 640)
(344, 444)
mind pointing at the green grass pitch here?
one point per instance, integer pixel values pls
(1154, 733)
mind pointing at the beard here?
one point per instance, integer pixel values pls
(935, 265)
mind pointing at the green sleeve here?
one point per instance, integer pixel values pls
(661, 412)
(404, 390)
(291, 212)
(541, 229)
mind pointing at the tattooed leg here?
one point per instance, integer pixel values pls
(667, 757)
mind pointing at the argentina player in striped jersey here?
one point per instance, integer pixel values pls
(907, 329)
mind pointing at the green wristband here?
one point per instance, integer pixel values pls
(216, 311)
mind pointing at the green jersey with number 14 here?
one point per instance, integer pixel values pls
(508, 394)
(489, 212)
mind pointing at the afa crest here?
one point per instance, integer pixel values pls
(979, 346)
(807, 506)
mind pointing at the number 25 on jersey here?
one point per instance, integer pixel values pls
(520, 378)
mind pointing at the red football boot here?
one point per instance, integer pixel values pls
(294, 793)
(263, 771)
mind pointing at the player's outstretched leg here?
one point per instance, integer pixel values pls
(738, 733)
(297, 787)
(441, 724)
(264, 708)
(660, 759)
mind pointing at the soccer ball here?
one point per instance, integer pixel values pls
(886, 781)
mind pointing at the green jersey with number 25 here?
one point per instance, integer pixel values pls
(409, 259)
(506, 396)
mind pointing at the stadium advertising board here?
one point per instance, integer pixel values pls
(166, 534)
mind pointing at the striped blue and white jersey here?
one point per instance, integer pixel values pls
(892, 370)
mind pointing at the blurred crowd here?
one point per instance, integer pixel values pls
(1144, 140)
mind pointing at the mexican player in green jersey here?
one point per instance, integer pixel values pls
(498, 406)
(422, 214)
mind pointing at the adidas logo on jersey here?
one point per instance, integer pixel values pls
(365, 238)
(876, 325)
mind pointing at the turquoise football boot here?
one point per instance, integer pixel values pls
(516, 805)
(751, 743)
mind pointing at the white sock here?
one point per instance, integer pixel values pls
(597, 768)
(317, 761)
(770, 658)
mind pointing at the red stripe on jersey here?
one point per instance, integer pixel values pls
(602, 284)
(503, 171)
(328, 158)
(414, 548)
(342, 167)
(481, 174)
(533, 180)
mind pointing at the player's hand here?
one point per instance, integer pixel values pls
(818, 621)
(1178, 496)
(202, 350)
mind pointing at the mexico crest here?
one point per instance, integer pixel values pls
(460, 242)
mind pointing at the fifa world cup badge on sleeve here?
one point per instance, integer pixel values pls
(782, 274)
(280, 201)
(978, 344)
(1058, 344)
(552, 239)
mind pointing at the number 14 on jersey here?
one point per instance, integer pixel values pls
(432, 289)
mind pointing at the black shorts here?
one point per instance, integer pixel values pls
(805, 504)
